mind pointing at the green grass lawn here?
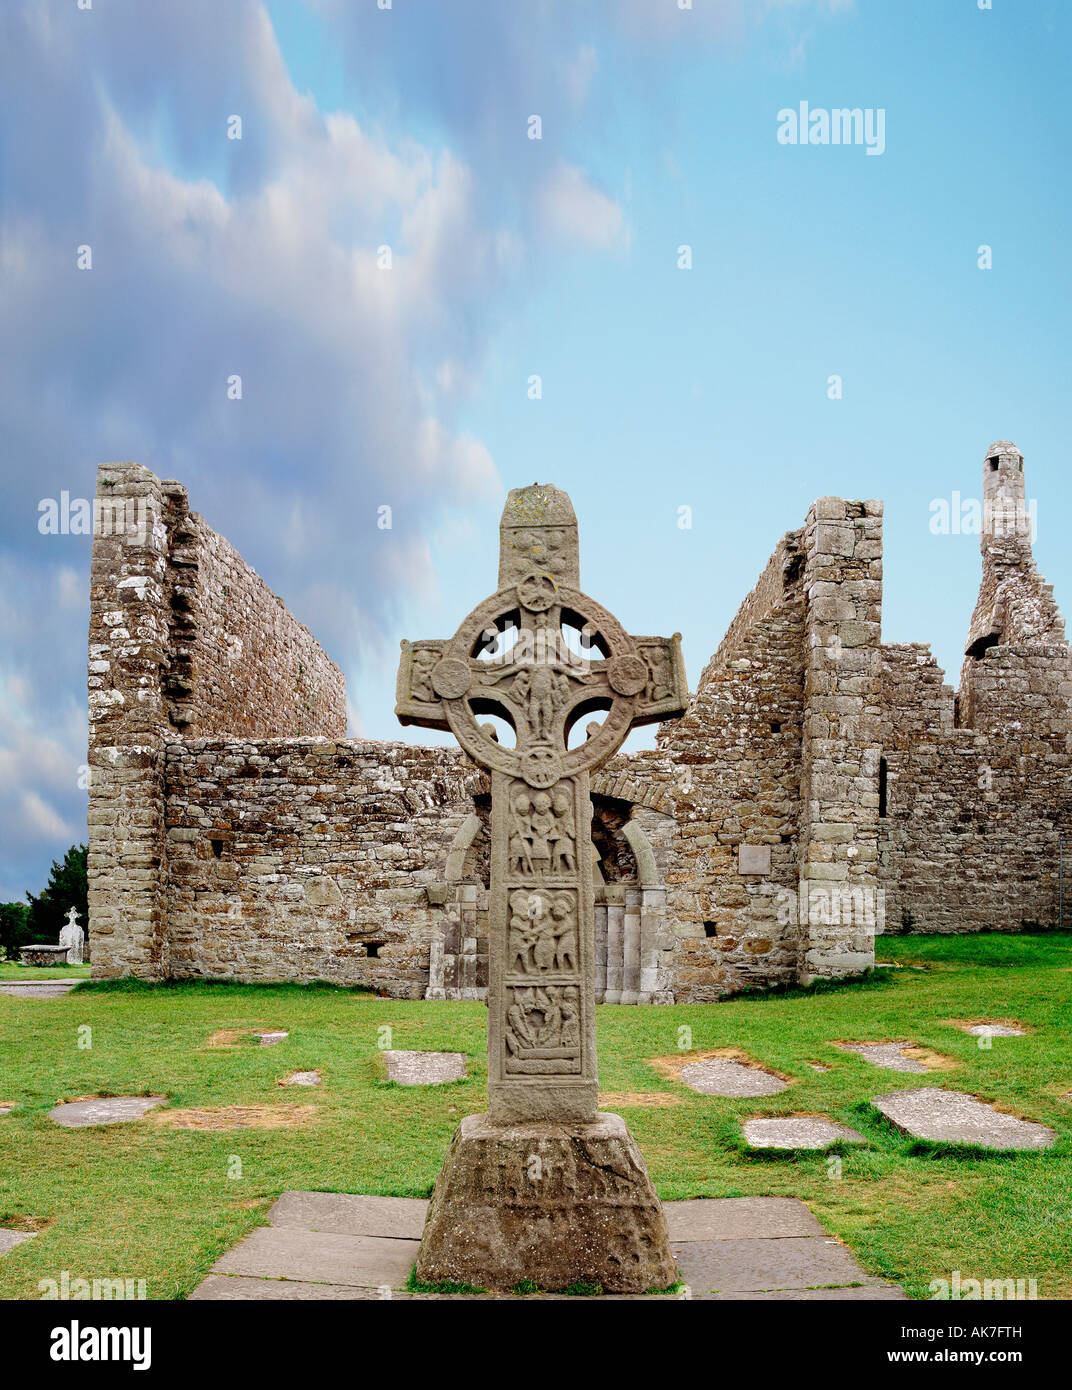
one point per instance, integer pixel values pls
(15, 970)
(144, 1201)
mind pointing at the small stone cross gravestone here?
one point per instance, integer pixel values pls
(542, 657)
(73, 938)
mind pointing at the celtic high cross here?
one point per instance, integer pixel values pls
(541, 656)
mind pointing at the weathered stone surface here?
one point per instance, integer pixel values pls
(25, 989)
(739, 1218)
(282, 1252)
(555, 1204)
(72, 938)
(993, 1030)
(394, 1217)
(867, 1293)
(41, 955)
(955, 1117)
(890, 1055)
(424, 1068)
(103, 1110)
(541, 922)
(794, 1262)
(235, 832)
(252, 1289)
(798, 1132)
(796, 1250)
(721, 1076)
(302, 1078)
(270, 1039)
(589, 1211)
(9, 1239)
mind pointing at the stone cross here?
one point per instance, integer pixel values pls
(541, 656)
(73, 937)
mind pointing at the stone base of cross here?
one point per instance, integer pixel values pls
(543, 1174)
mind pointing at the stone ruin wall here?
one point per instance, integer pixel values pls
(978, 788)
(241, 663)
(234, 832)
(161, 663)
(730, 771)
(311, 859)
(969, 840)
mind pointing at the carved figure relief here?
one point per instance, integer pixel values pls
(660, 684)
(542, 933)
(542, 1031)
(542, 838)
(420, 680)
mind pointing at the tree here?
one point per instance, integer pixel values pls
(68, 886)
(14, 928)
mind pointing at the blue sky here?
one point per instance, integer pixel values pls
(661, 387)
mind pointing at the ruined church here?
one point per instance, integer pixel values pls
(823, 788)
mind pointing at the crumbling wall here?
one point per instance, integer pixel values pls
(821, 787)
(240, 662)
(184, 637)
(969, 841)
(309, 859)
(839, 904)
(978, 790)
(730, 773)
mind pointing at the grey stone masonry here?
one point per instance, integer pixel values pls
(822, 786)
(839, 798)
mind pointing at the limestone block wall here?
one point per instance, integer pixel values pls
(128, 651)
(245, 665)
(978, 786)
(839, 907)
(311, 859)
(183, 637)
(969, 841)
(730, 770)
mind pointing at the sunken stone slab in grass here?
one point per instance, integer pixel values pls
(9, 1239)
(888, 1054)
(993, 1030)
(424, 1068)
(798, 1132)
(103, 1110)
(44, 989)
(954, 1117)
(721, 1076)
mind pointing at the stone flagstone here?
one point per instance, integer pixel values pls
(268, 1039)
(993, 1030)
(721, 1076)
(958, 1118)
(9, 1239)
(424, 1068)
(38, 989)
(332, 1246)
(889, 1055)
(594, 1214)
(798, 1132)
(301, 1078)
(103, 1110)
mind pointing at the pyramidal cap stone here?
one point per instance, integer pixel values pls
(538, 531)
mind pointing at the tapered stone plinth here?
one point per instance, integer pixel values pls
(554, 1204)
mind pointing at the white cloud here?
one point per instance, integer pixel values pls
(573, 210)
